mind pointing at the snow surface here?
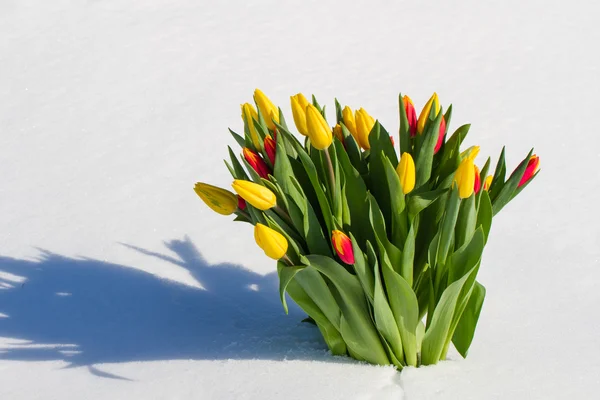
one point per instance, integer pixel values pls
(116, 282)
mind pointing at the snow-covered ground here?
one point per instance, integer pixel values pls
(116, 282)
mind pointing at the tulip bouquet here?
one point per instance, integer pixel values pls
(381, 251)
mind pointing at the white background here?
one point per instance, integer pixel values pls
(117, 282)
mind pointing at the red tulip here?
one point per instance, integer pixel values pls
(411, 115)
(257, 163)
(392, 139)
(441, 135)
(343, 246)
(532, 167)
(270, 148)
(241, 202)
(477, 185)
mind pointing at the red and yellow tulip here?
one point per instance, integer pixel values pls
(411, 115)
(257, 163)
(343, 246)
(532, 166)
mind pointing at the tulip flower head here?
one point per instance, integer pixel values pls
(219, 200)
(241, 202)
(319, 132)
(257, 163)
(411, 115)
(364, 124)
(255, 194)
(273, 243)
(432, 102)
(268, 110)
(249, 114)
(299, 104)
(337, 132)
(488, 182)
(270, 148)
(532, 166)
(477, 184)
(343, 246)
(349, 121)
(406, 172)
(441, 135)
(465, 178)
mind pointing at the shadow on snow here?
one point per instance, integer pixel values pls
(85, 312)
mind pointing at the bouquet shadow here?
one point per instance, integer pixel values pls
(86, 311)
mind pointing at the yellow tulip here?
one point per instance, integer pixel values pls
(248, 114)
(219, 200)
(465, 178)
(299, 104)
(273, 243)
(471, 153)
(255, 194)
(487, 182)
(337, 132)
(267, 109)
(364, 124)
(406, 172)
(433, 101)
(319, 132)
(349, 121)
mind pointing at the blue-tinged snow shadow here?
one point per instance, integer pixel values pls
(86, 312)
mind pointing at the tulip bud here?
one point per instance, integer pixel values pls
(465, 178)
(349, 121)
(411, 115)
(255, 194)
(364, 124)
(299, 104)
(406, 172)
(488, 182)
(532, 166)
(392, 140)
(219, 200)
(273, 243)
(343, 246)
(477, 184)
(337, 132)
(241, 202)
(472, 153)
(433, 101)
(267, 109)
(319, 132)
(441, 135)
(270, 148)
(248, 115)
(257, 163)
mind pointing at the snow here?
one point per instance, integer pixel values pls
(117, 282)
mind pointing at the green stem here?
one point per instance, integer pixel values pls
(281, 212)
(331, 172)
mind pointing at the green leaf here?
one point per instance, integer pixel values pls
(418, 202)
(465, 330)
(485, 213)
(408, 256)
(317, 289)
(404, 131)
(405, 307)
(240, 173)
(447, 229)
(240, 140)
(424, 154)
(286, 274)
(438, 331)
(509, 188)
(356, 326)
(399, 221)
(364, 271)
(466, 257)
(466, 222)
(331, 335)
(376, 218)
(384, 318)
(499, 174)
